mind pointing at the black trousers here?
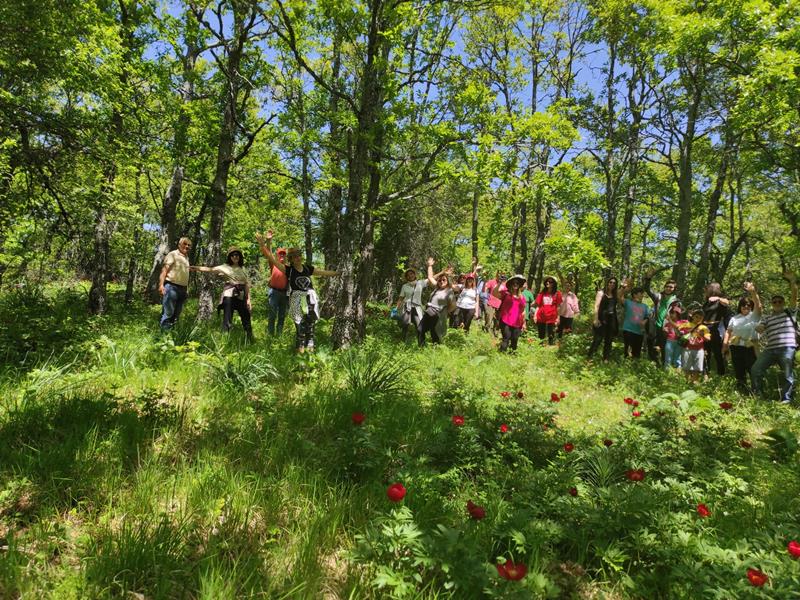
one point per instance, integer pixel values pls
(510, 336)
(603, 335)
(743, 359)
(634, 342)
(428, 323)
(564, 326)
(304, 330)
(465, 316)
(713, 347)
(229, 305)
(547, 329)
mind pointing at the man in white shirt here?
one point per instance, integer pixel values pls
(173, 283)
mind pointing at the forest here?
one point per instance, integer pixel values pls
(589, 139)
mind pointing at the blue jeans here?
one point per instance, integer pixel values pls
(672, 354)
(278, 304)
(783, 357)
(172, 304)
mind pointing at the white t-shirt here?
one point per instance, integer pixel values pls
(743, 329)
(468, 298)
(178, 268)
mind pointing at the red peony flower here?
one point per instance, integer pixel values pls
(562, 395)
(505, 394)
(635, 474)
(628, 400)
(569, 447)
(746, 444)
(794, 548)
(637, 413)
(692, 418)
(458, 420)
(396, 492)
(555, 397)
(358, 418)
(756, 577)
(512, 571)
(703, 511)
(475, 511)
(635, 403)
(607, 443)
(573, 491)
(520, 395)
(725, 405)
(503, 428)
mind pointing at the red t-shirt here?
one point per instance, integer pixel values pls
(278, 280)
(512, 309)
(548, 307)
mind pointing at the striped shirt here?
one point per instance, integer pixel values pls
(780, 330)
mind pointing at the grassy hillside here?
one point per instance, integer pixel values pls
(195, 466)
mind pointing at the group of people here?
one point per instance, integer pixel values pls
(291, 289)
(505, 305)
(689, 337)
(676, 336)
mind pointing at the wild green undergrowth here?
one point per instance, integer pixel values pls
(195, 465)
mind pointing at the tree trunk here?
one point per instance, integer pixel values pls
(476, 196)
(218, 198)
(711, 224)
(684, 180)
(168, 232)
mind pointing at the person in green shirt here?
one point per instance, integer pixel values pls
(656, 339)
(530, 299)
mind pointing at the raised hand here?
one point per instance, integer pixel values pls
(749, 287)
(269, 234)
(259, 238)
(430, 261)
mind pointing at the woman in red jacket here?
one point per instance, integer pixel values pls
(546, 316)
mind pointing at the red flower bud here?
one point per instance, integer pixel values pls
(475, 511)
(569, 447)
(555, 397)
(503, 428)
(458, 420)
(505, 394)
(607, 443)
(635, 474)
(573, 491)
(396, 492)
(703, 511)
(562, 395)
(746, 444)
(358, 418)
(520, 395)
(512, 571)
(637, 413)
(628, 400)
(692, 418)
(794, 548)
(725, 405)
(756, 577)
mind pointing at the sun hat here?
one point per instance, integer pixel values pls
(513, 277)
(234, 250)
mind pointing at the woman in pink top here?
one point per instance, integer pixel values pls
(511, 311)
(568, 309)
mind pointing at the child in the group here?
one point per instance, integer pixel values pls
(694, 336)
(636, 315)
(672, 347)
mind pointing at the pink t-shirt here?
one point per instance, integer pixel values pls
(569, 306)
(512, 309)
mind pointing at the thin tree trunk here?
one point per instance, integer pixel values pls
(475, 203)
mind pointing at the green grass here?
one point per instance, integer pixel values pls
(197, 466)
